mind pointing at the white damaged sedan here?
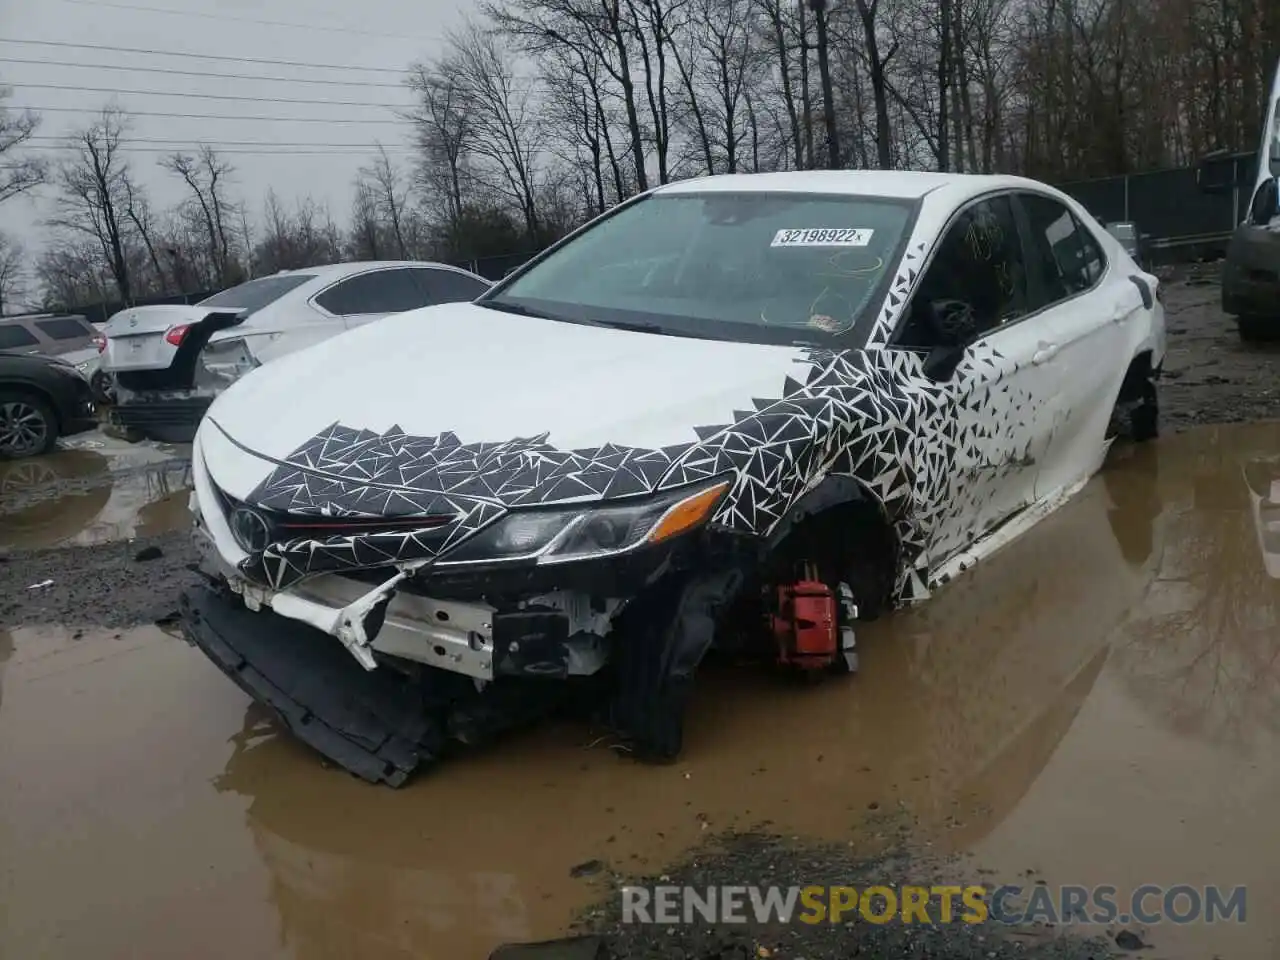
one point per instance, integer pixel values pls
(742, 411)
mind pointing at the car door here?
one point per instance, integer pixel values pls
(366, 297)
(988, 437)
(1081, 309)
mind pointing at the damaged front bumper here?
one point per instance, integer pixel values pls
(557, 634)
(448, 667)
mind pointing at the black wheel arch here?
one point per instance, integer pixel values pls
(845, 523)
(38, 391)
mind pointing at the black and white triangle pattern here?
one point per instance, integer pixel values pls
(868, 414)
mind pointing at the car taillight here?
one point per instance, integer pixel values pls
(100, 342)
(174, 335)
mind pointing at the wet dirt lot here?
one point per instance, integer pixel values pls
(1099, 703)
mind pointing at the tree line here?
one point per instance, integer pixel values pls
(539, 114)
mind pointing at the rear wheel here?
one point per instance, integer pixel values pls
(1253, 329)
(1136, 416)
(28, 426)
(104, 388)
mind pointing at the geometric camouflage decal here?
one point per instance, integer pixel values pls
(914, 444)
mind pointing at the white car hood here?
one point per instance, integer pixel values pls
(487, 377)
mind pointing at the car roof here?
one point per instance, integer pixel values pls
(897, 184)
(24, 318)
(334, 271)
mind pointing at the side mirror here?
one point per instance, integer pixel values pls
(1266, 203)
(1216, 172)
(955, 324)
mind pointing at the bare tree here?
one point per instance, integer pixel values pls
(18, 172)
(878, 68)
(365, 240)
(503, 117)
(13, 274)
(819, 8)
(92, 184)
(444, 131)
(597, 26)
(71, 271)
(206, 175)
(307, 237)
(389, 197)
(138, 210)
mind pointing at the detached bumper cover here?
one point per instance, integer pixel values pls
(381, 725)
(378, 724)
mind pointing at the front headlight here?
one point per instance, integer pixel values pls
(558, 536)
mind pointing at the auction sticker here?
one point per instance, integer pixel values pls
(822, 237)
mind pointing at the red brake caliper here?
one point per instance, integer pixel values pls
(806, 626)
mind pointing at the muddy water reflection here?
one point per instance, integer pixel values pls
(1112, 671)
(1171, 774)
(87, 496)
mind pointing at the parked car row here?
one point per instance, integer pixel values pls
(169, 362)
(157, 368)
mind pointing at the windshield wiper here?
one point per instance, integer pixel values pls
(507, 306)
(646, 328)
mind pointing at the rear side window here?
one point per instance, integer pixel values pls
(65, 328)
(14, 337)
(445, 286)
(382, 291)
(256, 294)
(1065, 258)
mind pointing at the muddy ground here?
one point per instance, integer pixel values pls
(1066, 730)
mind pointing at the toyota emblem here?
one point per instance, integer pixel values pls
(250, 528)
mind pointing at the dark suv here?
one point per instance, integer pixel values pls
(68, 336)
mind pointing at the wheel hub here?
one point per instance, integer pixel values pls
(22, 428)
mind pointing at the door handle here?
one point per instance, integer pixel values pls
(1045, 353)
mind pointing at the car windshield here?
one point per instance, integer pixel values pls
(748, 266)
(256, 294)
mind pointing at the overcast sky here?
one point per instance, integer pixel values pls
(385, 35)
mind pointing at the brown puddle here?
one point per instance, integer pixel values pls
(101, 490)
(1099, 702)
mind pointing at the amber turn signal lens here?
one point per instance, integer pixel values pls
(687, 514)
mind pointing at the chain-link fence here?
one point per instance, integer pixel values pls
(1179, 219)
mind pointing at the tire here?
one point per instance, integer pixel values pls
(1144, 419)
(1252, 329)
(28, 426)
(104, 389)
(1137, 419)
